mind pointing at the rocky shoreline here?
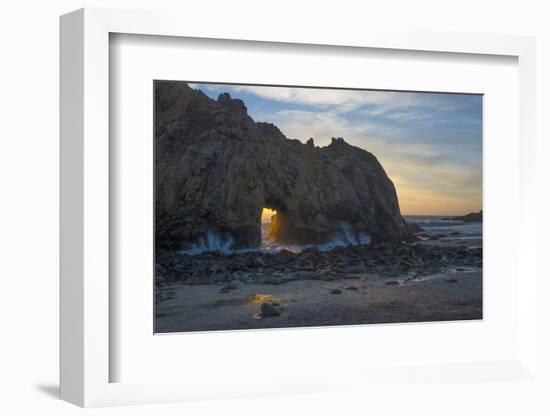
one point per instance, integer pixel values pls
(432, 279)
(386, 260)
(436, 276)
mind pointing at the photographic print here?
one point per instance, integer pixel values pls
(280, 206)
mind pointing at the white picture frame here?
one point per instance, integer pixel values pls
(85, 165)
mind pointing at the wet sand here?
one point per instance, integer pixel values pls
(364, 299)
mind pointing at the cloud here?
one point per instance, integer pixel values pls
(431, 176)
(392, 110)
(428, 143)
(321, 125)
(344, 100)
(399, 104)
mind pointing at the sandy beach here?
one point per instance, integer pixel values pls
(441, 297)
(453, 292)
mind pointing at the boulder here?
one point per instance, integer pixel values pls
(357, 268)
(269, 310)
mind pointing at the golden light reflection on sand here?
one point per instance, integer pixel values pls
(258, 299)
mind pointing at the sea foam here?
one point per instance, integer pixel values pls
(225, 244)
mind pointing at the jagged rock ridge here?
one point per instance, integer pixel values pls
(216, 169)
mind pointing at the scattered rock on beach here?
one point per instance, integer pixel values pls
(328, 276)
(269, 310)
(405, 266)
(163, 296)
(387, 260)
(306, 275)
(451, 280)
(356, 268)
(228, 288)
(304, 265)
(353, 288)
(271, 280)
(336, 291)
(392, 282)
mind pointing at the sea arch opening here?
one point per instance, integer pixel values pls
(274, 219)
(268, 223)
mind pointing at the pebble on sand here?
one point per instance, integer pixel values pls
(228, 288)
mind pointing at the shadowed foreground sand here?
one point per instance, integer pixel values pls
(365, 299)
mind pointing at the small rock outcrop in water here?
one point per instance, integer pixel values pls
(216, 169)
(415, 228)
(471, 217)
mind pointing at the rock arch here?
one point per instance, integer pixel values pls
(216, 169)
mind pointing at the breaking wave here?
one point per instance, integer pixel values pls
(345, 237)
(431, 222)
(212, 242)
(452, 229)
(225, 243)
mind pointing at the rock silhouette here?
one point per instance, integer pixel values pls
(216, 169)
(471, 217)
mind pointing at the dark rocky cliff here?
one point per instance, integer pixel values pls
(216, 169)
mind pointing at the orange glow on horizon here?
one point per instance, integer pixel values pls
(414, 201)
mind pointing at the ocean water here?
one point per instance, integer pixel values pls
(451, 229)
(343, 238)
(432, 225)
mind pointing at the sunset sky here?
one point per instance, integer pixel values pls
(429, 144)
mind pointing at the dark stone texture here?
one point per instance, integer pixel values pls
(216, 169)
